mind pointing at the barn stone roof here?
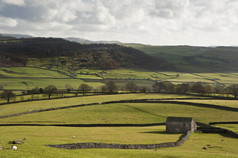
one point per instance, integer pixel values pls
(179, 119)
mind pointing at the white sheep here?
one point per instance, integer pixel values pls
(14, 147)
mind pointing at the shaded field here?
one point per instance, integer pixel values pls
(227, 103)
(37, 137)
(194, 59)
(232, 127)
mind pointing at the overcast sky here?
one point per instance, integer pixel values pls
(158, 22)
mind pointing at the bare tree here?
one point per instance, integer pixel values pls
(111, 87)
(50, 90)
(84, 88)
(144, 89)
(182, 88)
(163, 86)
(208, 89)
(233, 90)
(68, 87)
(131, 87)
(219, 89)
(198, 88)
(8, 95)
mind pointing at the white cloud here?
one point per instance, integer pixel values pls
(7, 22)
(15, 2)
(199, 22)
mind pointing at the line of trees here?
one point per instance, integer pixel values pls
(197, 88)
(111, 88)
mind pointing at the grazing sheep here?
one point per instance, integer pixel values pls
(14, 147)
(73, 137)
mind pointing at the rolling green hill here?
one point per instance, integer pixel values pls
(57, 53)
(217, 145)
(195, 59)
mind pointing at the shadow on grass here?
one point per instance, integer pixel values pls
(157, 132)
(143, 111)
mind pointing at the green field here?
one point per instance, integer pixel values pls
(124, 113)
(44, 104)
(232, 127)
(18, 72)
(194, 59)
(217, 145)
(25, 78)
(228, 103)
(37, 137)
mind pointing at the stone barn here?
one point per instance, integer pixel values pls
(180, 125)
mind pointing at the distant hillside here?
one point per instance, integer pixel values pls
(17, 35)
(85, 41)
(62, 54)
(195, 59)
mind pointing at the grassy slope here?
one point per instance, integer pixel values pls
(37, 137)
(233, 127)
(28, 78)
(29, 72)
(228, 103)
(195, 59)
(44, 104)
(125, 113)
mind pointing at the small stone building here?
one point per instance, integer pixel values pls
(180, 124)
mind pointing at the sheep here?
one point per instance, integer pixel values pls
(14, 147)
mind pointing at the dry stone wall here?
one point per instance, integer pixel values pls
(179, 142)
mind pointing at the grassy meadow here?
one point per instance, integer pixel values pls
(25, 78)
(217, 145)
(194, 59)
(53, 103)
(123, 113)
(37, 137)
(233, 127)
(228, 103)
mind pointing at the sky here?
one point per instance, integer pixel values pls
(156, 22)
